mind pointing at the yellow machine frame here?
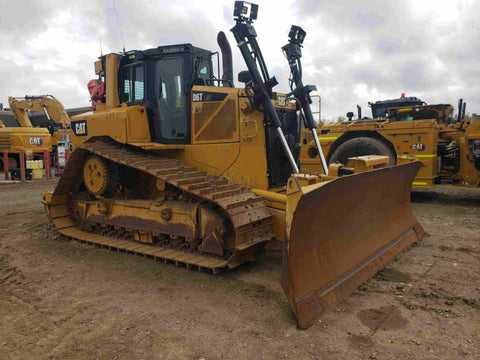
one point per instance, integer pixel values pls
(417, 139)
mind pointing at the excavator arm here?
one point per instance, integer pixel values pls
(48, 104)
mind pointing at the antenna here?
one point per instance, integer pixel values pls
(100, 41)
(118, 23)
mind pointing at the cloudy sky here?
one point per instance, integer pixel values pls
(355, 51)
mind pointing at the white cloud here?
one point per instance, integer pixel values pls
(364, 93)
(354, 52)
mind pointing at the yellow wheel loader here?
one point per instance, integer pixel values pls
(180, 165)
(402, 129)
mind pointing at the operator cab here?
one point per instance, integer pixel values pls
(380, 108)
(161, 79)
(442, 113)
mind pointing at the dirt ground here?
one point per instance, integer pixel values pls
(63, 300)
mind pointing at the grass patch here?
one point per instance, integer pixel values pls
(35, 226)
(463, 249)
(392, 275)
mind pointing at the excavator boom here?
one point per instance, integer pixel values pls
(48, 104)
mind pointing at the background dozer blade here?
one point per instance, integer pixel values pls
(341, 232)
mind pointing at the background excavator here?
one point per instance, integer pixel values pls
(13, 140)
(58, 120)
(34, 140)
(177, 164)
(402, 129)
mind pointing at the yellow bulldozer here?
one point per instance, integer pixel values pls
(178, 164)
(448, 146)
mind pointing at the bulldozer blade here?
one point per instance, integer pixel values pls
(341, 232)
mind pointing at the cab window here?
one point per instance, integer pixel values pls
(204, 71)
(133, 83)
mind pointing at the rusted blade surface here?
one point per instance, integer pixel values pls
(342, 232)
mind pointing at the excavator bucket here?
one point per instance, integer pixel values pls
(341, 232)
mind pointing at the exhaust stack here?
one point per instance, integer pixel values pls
(359, 112)
(227, 64)
(460, 106)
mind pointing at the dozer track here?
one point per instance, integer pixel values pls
(250, 219)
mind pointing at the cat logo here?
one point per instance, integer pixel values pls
(80, 127)
(35, 141)
(418, 147)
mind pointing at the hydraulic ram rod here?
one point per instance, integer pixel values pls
(245, 35)
(293, 53)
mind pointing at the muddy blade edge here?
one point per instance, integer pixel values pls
(341, 233)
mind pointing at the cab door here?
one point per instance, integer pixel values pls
(170, 114)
